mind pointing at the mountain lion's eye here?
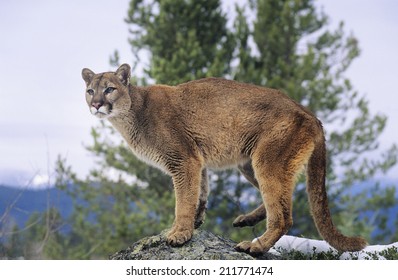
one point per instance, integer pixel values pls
(109, 90)
(90, 91)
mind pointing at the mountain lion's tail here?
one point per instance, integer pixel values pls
(316, 173)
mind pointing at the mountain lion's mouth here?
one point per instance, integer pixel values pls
(102, 112)
(98, 113)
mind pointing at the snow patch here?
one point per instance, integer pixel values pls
(368, 252)
(310, 246)
(39, 182)
(303, 245)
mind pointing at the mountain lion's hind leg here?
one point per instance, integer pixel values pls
(276, 173)
(257, 215)
(187, 190)
(277, 196)
(204, 193)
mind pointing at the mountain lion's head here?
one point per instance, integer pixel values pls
(107, 94)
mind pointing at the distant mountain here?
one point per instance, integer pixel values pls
(21, 203)
(13, 177)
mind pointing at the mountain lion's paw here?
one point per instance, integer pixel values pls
(178, 238)
(253, 248)
(241, 221)
(243, 246)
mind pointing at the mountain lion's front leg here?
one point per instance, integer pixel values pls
(202, 206)
(187, 189)
(252, 218)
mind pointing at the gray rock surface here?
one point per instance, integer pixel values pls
(204, 245)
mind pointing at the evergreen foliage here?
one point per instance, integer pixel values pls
(186, 40)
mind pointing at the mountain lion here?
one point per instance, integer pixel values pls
(218, 123)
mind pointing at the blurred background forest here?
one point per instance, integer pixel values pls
(288, 45)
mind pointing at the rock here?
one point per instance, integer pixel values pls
(204, 245)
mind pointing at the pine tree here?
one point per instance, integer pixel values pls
(186, 40)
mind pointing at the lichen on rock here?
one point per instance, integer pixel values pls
(204, 245)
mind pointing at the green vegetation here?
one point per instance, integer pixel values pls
(387, 254)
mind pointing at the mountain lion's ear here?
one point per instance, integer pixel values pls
(123, 73)
(87, 75)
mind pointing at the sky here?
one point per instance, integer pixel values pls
(45, 44)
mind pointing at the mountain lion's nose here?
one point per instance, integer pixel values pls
(97, 105)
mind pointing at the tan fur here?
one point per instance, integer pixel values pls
(217, 123)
